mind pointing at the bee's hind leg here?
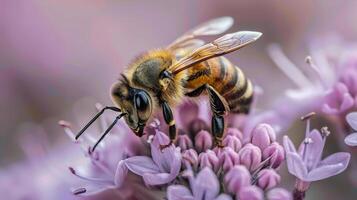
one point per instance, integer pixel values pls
(219, 107)
(168, 117)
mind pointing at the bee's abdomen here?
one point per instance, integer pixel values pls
(227, 79)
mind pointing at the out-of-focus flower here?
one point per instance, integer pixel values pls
(306, 163)
(327, 86)
(351, 139)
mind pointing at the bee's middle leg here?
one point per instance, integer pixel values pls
(168, 117)
(219, 107)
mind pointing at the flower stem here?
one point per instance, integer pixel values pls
(298, 195)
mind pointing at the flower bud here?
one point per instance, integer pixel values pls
(208, 159)
(250, 156)
(235, 132)
(279, 194)
(276, 153)
(268, 178)
(203, 141)
(227, 159)
(184, 142)
(250, 193)
(237, 178)
(263, 135)
(190, 156)
(232, 142)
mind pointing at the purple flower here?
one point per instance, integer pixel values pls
(161, 168)
(263, 135)
(251, 193)
(268, 178)
(279, 194)
(250, 156)
(237, 178)
(204, 186)
(307, 164)
(351, 139)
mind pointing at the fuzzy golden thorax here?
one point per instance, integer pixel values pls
(146, 72)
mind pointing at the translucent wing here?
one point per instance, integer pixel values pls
(212, 27)
(223, 45)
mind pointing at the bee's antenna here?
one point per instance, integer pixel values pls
(107, 131)
(95, 118)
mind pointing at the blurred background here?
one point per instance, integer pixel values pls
(59, 57)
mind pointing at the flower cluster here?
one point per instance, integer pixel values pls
(193, 169)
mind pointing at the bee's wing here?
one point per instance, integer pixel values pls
(212, 27)
(223, 45)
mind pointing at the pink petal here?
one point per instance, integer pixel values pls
(179, 192)
(141, 165)
(347, 102)
(329, 110)
(288, 145)
(206, 184)
(157, 179)
(165, 177)
(340, 157)
(314, 150)
(223, 197)
(163, 158)
(352, 120)
(331, 166)
(120, 174)
(296, 166)
(351, 139)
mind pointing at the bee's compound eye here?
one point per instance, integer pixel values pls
(142, 101)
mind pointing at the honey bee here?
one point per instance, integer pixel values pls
(161, 78)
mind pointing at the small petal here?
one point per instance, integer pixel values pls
(268, 178)
(296, 166)
(141, 165)
(232, 142)
(223, 197)
(279, 194)
(237, 178)
(206, 184)
(263, 135)
(250, 193)
(184, 142)
(227, 159)
(351, 139)
(178, 192)
(288, 145)
(250, 156)
(120, 174)
(352, 120)
(208, 159)
(203, 141)
(276, 153)
(191, 156)
(330, 166)
(313, 150)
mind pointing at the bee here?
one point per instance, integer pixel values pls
(161, 78)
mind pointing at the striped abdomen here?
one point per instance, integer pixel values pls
(226, 78)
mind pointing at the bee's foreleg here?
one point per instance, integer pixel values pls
(168, 117)
(219, 107)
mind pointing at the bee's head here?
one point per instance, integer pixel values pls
(137, 103)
